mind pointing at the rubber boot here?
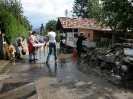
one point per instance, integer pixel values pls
(18, 56)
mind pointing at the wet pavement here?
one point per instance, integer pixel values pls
(57, 80)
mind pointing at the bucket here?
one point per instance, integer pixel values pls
(75, 54)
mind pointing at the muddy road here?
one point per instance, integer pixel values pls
(65, 79)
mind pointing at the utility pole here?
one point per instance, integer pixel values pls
(66, 12)
(72, 24)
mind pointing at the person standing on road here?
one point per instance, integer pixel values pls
(81, 37)
(63, 43)
(52, 44)
(34, 37)
(31, 49)
(35, 41)
(17, 44)
(28, 39)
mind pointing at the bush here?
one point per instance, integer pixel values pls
(11, 27)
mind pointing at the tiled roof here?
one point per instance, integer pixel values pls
(79, 22)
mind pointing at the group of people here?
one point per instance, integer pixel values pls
(31, 40)
(63, 38)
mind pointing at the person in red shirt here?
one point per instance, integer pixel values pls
(31, 49)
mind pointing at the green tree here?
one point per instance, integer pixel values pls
(82, 8)
(15, 8)
(94, 13)
(51, 23)
(117, 15)
(11, 27)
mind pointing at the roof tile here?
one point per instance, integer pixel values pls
(79, 22)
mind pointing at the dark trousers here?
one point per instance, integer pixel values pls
(79, 52)
(17, 55)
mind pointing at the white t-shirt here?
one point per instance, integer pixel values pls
(33, 37)
(52, 36)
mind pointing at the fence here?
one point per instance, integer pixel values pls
(102, 42)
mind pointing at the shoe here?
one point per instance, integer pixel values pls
(34, 59)
(47, 62)
(20, 58)
(56, 60)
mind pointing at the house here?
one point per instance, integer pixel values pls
(92, 29)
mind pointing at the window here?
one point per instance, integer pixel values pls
(88, 34)
(75, 35)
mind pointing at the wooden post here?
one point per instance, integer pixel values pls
(2, 55)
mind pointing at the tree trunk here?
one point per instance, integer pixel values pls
(113, 38)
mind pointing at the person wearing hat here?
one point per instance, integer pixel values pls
(81, 37)
(17, 44)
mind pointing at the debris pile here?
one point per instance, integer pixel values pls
(119, 60)
(116, 61)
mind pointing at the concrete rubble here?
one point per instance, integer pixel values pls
(116, 62)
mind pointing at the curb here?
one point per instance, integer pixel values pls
(5, 66)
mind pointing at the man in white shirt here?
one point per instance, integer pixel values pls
(52, 44)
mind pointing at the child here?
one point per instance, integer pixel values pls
(31, 49)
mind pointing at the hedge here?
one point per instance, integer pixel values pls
(11, 27)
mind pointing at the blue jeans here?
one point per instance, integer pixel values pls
(52, 45)
(17, 48)
(31, 54)
(63, 49)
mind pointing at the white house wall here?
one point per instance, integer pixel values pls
(70, 35)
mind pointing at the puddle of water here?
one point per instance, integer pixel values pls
(7, 67)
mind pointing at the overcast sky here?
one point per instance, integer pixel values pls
(41, 11)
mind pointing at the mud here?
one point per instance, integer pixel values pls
(69, 78)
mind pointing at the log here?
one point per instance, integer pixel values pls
(127, 40)
(125, 45)
(119, 52)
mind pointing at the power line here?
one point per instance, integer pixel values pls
(57, 3)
